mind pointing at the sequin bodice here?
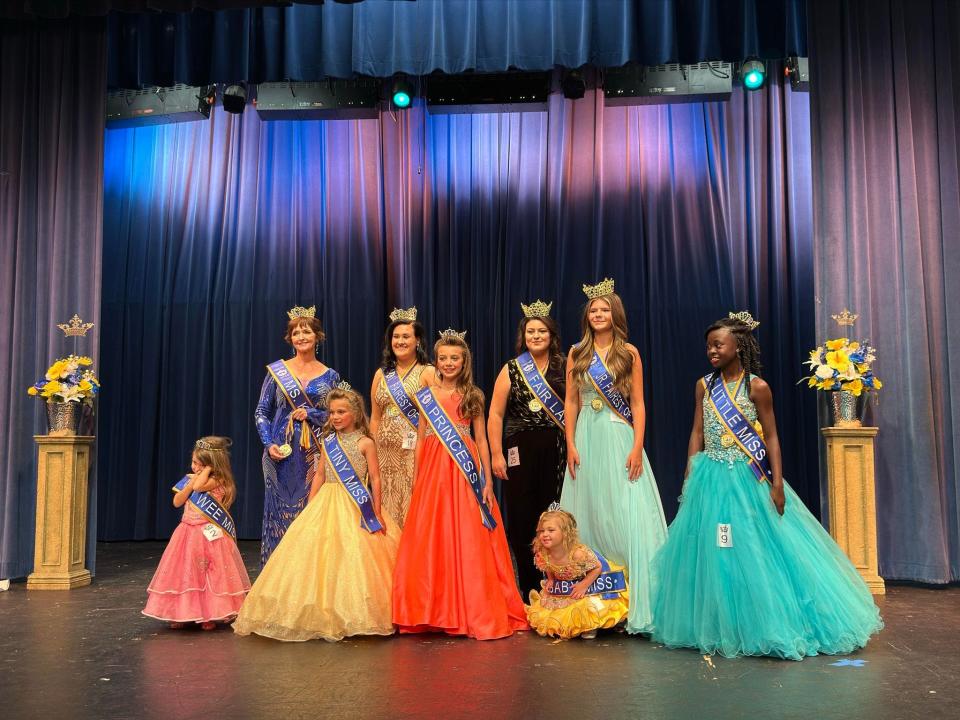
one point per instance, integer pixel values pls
(714, 429)
(348, 441)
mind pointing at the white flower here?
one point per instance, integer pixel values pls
(824, 371)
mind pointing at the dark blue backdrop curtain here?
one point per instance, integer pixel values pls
(382, 37)
(215, 228)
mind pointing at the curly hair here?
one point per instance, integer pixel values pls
(355, 401)
(748, 349)
(568, 530)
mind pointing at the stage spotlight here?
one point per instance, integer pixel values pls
(752, 73)
(573, 85)
(401, 93)
(235, 98)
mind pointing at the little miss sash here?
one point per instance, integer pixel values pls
(608, 585)
(400, 398)
(209, 507)
(738, 426)
(603, 381)
(453, 442)
(546, 398)
(354, 487)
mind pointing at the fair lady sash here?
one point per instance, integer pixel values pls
(208, 505)
(354, 487)
(453, 442)
(540, 388)
(398, 393)
(603, 381)
(608, 584)
(739, 427)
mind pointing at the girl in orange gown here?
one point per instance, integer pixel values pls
(453, 574)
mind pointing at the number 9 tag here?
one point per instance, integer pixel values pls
(724, 535)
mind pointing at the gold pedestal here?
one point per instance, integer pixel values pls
(59, 556)
(853, 506)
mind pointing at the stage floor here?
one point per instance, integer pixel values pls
(90, 654)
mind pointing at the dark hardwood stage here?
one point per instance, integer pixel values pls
(89, 653)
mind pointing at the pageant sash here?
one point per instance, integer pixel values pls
(540, 388)
(354, 487)
(453, 442)
(604, 383)
(740, 429)
(401, 399)
(608, 585)
(289, 385)
(210, 507)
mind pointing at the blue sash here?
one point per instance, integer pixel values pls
(450, 438)
(608, 585)
(742, 431)
(604, 383)
(348, 477)
(540, 388)
(289, 384)
(208, 505)
(399, 395)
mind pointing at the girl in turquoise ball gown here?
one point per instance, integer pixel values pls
(747, 570)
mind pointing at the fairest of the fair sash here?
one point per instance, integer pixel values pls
(453, 442)
(347, 476)
(210, 507)
(603, 381)
(739, 427)
(540, 388)
(608, 584)
(398, 393)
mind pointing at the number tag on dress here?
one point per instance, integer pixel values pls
(409, 440)
(211, 532)
(615, 418)
(513, 457)
(724, 535)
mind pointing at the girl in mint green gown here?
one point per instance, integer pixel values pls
(774, 583)
(609, 485)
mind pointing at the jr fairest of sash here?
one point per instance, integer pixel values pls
(603, 381)
(742, 431)
(399, 394)
(450, 438)
(348, 478)
(211, 509)
(540, 388)
(608, 585)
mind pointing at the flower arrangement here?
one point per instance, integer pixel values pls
(843, 364)
(69, 379)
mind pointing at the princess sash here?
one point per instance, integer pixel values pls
(603, 381)
(399, 395)
(608, 585)
(348, 477)
(540, 388)
(453, 442)
(210, 507)
(742, 431)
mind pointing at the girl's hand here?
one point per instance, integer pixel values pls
(299, 414)
(488, 497)
(274, 452)
(573, 460)
(500, 466)
(579, 590)
(778, 497)
(634, 464)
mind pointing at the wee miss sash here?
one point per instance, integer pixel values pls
(608, 585)
(210, 507)
(742, 431)
(354, 487)
(540, 388)
(453, 442)
(603, 381)
(399, 395)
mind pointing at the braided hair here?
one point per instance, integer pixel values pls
(748, 349)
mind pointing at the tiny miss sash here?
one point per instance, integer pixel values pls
(398, 394)
(540, 388)
(608, 585)
(354, 487)
(210, 507)
(603, 381)
(742, 431)
(453, 442)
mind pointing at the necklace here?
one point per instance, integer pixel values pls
(402, 372)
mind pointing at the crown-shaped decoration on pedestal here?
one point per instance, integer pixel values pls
(605, 287)
(539, 309)
(746, 318)
(299, 312)
(451, 333)
(399, 314)
(845, 318)
(76, 327)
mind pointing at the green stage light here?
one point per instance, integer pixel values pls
(401, 93)
(753, 73)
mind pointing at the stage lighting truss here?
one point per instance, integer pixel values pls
(673, 83)
(159, 105)
(234, 98)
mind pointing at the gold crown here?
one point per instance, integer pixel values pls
(451, 333)
(746, 318)
(599, 290)
(538, 309)
(299, 312)
(76, 327)
(202, 444)
(845, 318)
(404, 315)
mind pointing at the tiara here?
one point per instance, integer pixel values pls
(553, 507)
(409, 315)
(344, 385)
(202, 444)
(844, 318)
(746, 318)
(539, 309)
(76, 327)
(451, 333)
(299, 312)
(605, 287)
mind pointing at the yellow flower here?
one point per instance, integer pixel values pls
(854, 386)
(84, 361)
(85, 386)
(854, 346)
(31, 390)
(812, 382)
(838, 360)
(826, 384)
(56, 370)
(836, 344)
(877, 384)
(815, 357)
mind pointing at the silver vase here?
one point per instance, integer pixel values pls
(63, 418)
(847, 408)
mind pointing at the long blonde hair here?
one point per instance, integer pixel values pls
(619, 360)
(471, 397)
(215, 453)
(568, 530)
(356, 407)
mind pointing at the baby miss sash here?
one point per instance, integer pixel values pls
(453, 442)
(608, 585)
(540, 388)
(739, 427)
(604, 383)
(208, 505)
(348, 478)
(398, 393)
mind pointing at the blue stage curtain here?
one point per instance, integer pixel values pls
(215, 228)
(382, 37)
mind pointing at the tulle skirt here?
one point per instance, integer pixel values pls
(565, 618)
